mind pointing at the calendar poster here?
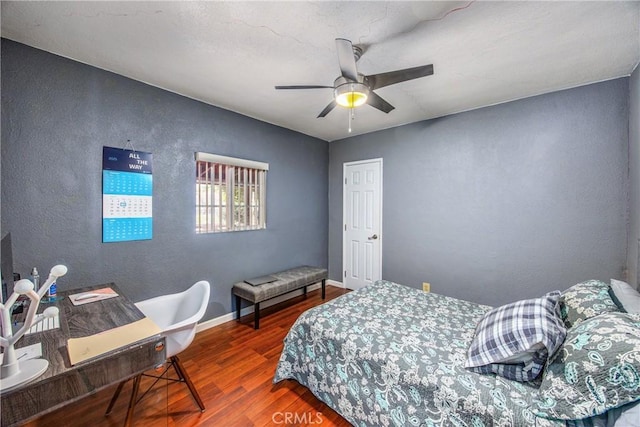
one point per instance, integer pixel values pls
(127, 192)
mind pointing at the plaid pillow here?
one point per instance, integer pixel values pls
(515, 340)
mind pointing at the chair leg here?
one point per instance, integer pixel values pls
(182, 373)
(324, 282)
(115, 397)
(132, 401)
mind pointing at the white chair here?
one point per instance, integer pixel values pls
(177, 315)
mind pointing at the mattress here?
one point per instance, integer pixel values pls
(391, 355)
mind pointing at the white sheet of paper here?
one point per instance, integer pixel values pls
(92, 296)
(32, 351)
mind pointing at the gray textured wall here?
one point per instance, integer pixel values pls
(491, 205)
(503, 202)
(634, 179)
(56, 116)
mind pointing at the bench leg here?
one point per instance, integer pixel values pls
(323, 287)
(256, 316)
(237, 308)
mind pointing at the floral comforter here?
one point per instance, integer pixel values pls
(390, 355)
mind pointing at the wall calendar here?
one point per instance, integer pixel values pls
(127, 193)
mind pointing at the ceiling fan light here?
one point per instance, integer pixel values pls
(351, 95)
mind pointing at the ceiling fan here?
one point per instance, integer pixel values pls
(353, 89)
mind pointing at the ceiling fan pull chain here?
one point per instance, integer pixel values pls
(350, 118)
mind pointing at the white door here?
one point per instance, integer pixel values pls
(362, 239)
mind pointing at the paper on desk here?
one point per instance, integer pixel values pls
(81, 349)
(32, 351)
(92, 296)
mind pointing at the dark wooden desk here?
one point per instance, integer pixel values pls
(62, 383)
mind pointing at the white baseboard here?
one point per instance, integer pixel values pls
(248, 310)
(334, 283)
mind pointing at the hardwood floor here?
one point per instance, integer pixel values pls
(232, 366)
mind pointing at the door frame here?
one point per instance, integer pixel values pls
(344, 214)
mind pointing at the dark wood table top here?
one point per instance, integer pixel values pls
(64, 383)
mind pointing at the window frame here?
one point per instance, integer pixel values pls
(231, 191)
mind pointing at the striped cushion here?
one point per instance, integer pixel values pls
(515, 340)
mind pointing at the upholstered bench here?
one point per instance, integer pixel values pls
(284, 282)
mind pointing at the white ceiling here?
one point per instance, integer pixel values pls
(232, 54)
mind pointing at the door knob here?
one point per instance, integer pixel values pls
(374, 237)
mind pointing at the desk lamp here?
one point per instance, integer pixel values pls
(12, 371)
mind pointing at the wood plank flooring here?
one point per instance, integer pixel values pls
(232, 366)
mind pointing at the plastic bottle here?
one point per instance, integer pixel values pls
(53, 290)
(35, 278)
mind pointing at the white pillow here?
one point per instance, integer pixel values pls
(627, 295)
(630, 417)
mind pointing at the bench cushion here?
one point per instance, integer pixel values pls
(287, 281)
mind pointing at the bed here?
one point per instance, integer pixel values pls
(390, 355)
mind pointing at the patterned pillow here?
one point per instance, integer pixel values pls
(515, 340)
(585, 300)
(597, 369)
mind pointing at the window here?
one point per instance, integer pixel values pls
(230, 194)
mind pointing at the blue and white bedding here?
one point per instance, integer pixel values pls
(390, 355)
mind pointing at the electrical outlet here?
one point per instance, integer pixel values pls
(426, 286)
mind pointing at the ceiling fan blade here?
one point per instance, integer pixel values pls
(376, 101)
(327, 109)
(304, 87)
(377, 81)
(346, 59)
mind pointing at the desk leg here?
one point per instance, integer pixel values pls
(132, 402)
